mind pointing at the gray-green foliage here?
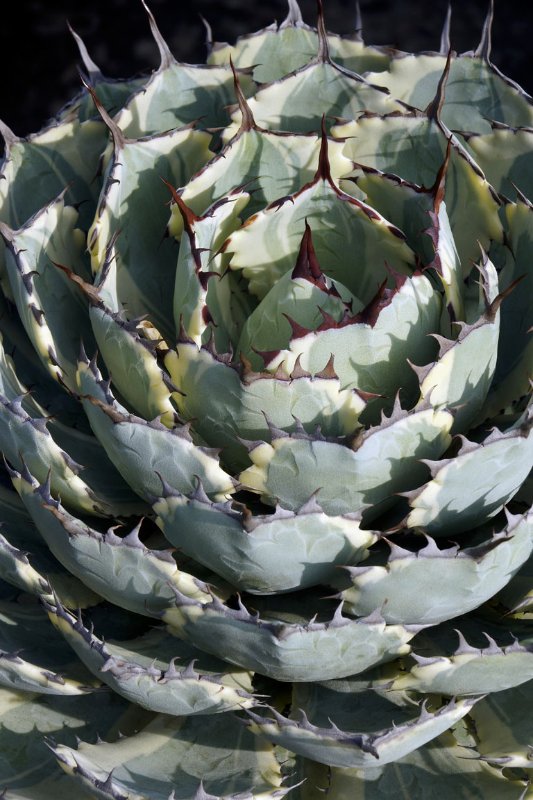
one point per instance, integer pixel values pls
(265, 413)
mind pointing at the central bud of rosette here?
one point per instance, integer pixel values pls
(302, 316)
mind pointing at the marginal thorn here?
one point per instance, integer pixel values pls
(297, 331)
(328, 372)
(107, 785)
(496, 303)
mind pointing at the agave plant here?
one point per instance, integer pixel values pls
(266, 423)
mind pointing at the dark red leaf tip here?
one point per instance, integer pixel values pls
(307, 265)
(434, 109)
(247, 121)
(323, 172)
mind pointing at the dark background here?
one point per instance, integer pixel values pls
(38, 57)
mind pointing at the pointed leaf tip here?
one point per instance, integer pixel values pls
(164, 51)
(9, 137)
(434, 109)
(358, 26)
(323, 44)
(294, 17)
(438, 188)
(324, 169)
(188, 215)
(307, 265)
(93, 69)
(247, 118)
(484, 47)
(117, 134)
(445, 43)
(208, 33)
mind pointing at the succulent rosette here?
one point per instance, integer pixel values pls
(265, 413)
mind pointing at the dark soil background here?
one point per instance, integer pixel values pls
(39, 60)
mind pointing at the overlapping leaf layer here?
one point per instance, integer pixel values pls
(266, 419)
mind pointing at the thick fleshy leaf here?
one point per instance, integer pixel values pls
(181, 754)
(210, 301)
(379, 463)
(487, 659)
(144, 453)
(147, 670)
(272, 164)
(278, 50)
(39, 572)
(447, 262)
(403, 203)
(298, 101)
(514, 369)
(517, 597)
(32, 659)
(53, 313)
(130, 353)
(364, 729)
(131, 218)
(208, 89)
(16, 569)
(109, 492)
(433, 585)
(256, 402)
(251, 551)
(129, 349)
(475, 91)
(493, 471)
(414, 148)
(300, 400)
(122, 570)
(292, 301)
(288, 644)
(26, 562)
(44, 454)
(504, 155)
(21, 367)
(461, 375)
(79, 468)
(38, 168)
(269, 418)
